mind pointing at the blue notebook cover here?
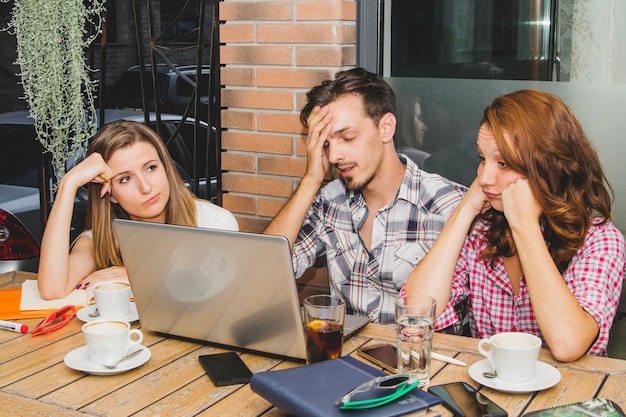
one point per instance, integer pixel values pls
(311, 390)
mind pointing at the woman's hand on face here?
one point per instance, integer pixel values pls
(475, 200)
(519, 204)
(113, 273)
(91, 169)
(319, 129)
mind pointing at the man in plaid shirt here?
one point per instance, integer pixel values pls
(381, 215)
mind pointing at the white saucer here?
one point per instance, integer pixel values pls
(83, 314)
(546, 376)
(78, 359)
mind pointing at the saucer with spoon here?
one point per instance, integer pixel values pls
(90, 313)
(78, 359)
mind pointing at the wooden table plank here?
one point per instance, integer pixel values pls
(567, 390)
(37, 360)
(614, 388)
(201, 394)
(142, 392)
(91, 388)
(19, 406)
(26, 343)
(242, 403)
(57, 376)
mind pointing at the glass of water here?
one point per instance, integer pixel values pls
(415, 317)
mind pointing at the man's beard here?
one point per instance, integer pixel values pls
(353, 185)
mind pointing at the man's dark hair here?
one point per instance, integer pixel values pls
(378, 98)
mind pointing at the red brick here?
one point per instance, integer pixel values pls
(256, 142)
(326, 10)
(238, 162)
(252, 225)
(346, 33)
(294, 78)
(239, 203)
(237, 119)
(269, 207)
(301, 98)
(273, 122)
(333, 56)
(236, 76)
(295, 33)
(259, 185)
(238, 32)
(255, 10)
(256, 55)
(294, 167)
(260, 99)
(301, 146)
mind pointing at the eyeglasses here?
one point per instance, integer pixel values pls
(394, 386)
(56, 320)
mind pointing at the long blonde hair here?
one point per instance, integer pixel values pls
(180, 208)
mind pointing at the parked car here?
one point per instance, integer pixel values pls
(175, 90)
(21, 217)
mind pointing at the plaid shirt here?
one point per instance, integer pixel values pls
(402, 233)
(594, 276)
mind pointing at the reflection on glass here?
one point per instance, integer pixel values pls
(452, 109)
(511, 39)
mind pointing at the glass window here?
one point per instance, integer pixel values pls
(440, 47)
(469, 39)
(180, 23)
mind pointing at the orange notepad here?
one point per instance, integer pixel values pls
(10, 306)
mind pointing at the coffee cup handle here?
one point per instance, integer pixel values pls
(486, 353)
(136, 341)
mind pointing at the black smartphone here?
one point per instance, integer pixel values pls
(464, 401)
(225, 369)
(384, 355)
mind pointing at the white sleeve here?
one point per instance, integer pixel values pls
(212, 216)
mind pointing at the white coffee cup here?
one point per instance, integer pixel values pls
(108, 341)
(112, 298)
(512, 354)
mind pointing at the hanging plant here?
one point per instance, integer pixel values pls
(52, 38)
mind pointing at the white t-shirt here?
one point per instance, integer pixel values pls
(208, 216)
(212, 216)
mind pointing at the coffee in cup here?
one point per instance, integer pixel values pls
(513, 355)
(112, 298)
(108, 341)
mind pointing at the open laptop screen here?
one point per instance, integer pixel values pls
(228, 288)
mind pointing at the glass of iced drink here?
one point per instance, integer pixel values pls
(415, 317)
(323, 324)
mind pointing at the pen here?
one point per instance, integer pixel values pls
(14, 327)
(448, 359)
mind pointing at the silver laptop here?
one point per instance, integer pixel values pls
(232, 289)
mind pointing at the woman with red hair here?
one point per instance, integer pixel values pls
(531, 246)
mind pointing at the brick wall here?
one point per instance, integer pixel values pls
(272, 53)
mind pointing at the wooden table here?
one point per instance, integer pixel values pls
(35, 381)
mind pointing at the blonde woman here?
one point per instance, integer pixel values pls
(131, 176)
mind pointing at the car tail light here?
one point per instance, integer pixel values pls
(166, 105)
(16, 242)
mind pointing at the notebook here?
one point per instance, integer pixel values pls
(232, 289)
(327, 381)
